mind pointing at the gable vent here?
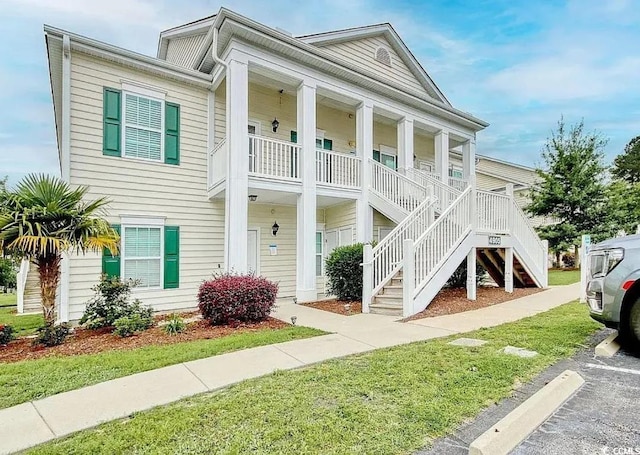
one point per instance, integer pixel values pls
(383, 56)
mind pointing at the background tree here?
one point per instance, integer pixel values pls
(42, 218)
(7, 274)
(570, 186)
(626, 166)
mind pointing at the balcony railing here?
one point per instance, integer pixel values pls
(338, 169)
(273, 158)
(218, 163)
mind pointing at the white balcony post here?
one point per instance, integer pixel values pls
(545, 263)
(441, 146)
(509, 214)
(473, 204)
(237, 182)
(405, 143)
(508, 269)
(471, 274)
(468, 159)
(364, 149)
(306, 210)
(367, 277)
(408, 277)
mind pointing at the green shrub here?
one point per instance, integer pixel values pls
(132, 324)
(175, 325)
(459, 278)
(52, 334)
(6, 334)
(110, 303)
(344, 272)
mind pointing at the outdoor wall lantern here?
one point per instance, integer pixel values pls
(274, 228)
(275, 124)
(253, 197)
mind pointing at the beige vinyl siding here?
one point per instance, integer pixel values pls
(183, 51)
(515, 173)
(384, 134)
(379, 220)
(341, 216)
(488, 182)
(282, 267)
(424, 148)
(362, 53)
(134, 188)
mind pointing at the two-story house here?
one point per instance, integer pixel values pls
(242, 148)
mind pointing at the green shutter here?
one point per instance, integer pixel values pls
(111, 263)
(171, 257)
(172, 133)
(294, 137)
(111, 113)
(376, 155)
(328, 144)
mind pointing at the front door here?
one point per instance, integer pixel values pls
(252, 251)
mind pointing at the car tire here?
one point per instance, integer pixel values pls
(630, 326)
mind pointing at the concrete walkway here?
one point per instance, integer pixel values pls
(33, 423)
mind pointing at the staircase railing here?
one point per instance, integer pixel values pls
(386, 256)
(444, 193)
(395, 187)
(21, 283)
(435, 245)
(524, 233)
(493, 212)
(217, 163)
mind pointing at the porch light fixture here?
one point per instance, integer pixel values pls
(253, 197)
(274, 228)
(275, 124)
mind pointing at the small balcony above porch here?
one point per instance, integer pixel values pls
(275, 164)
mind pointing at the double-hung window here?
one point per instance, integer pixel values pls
(143, 127)
(142, 255)
(138, 123)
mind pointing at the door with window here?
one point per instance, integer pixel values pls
(387, 156)
(253, 128)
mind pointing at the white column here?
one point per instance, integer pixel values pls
(405, 143)
(441, 146)
(367, 277)
(211, 133)
(306, 225)
(408, 277)
(510, 213)
(237, 191)
(364, 149)
(468, 159)
(508, 269)
(471, 274)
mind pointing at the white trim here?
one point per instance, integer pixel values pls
(123, 256)
(142, 220)
(65, 170)
(162, 130)
(387, 150)
(142, 89)
(258, 126)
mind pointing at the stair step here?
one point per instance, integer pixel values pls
(396, 282)
(392, 291)
(389, 300)
(385, 311)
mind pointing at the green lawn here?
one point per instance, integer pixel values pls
(34, 379)
(385, 402)
(7, 300)
(22, 324)
(559, 277)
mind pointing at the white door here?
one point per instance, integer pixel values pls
(252, 251)
(331, 241)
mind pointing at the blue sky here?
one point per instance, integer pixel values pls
(518, 64)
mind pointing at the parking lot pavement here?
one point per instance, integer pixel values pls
(603, 417)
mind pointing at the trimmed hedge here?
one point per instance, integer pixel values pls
(242, 298)
(344, 272)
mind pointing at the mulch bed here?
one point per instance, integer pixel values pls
(85, 341)
(336, 306)
(451, 301)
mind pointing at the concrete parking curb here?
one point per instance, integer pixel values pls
(505, 435)
(609, 346)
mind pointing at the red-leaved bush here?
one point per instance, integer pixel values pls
(236, 298)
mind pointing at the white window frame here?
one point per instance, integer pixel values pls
(389, 151)
(453, 170)
(321, 254)
(142, 222)
(135, 90)
(257, 125)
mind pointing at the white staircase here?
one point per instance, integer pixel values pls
(440, 227)
(28, 292)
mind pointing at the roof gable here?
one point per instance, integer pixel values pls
(361, 46)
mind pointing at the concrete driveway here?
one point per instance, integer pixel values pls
(602, 418)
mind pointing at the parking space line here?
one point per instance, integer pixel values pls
(620, 370)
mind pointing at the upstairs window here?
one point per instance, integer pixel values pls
(143, 126)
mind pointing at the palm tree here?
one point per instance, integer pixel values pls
(42, 218)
